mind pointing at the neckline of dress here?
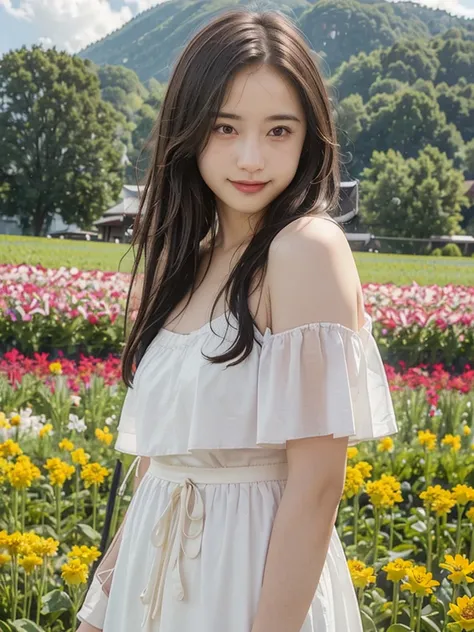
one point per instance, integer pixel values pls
(208, 327)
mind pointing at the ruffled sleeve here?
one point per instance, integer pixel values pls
(322, 379)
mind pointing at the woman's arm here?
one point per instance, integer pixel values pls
(311, 277)
(110, 557)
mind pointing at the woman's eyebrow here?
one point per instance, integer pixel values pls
(273, 117)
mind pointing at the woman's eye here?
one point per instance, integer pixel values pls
(281, 129)
(227, 130)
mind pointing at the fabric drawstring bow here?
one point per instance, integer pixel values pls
(177, 532)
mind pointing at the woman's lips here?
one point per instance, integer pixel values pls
(249, 188)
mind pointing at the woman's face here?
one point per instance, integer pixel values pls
(258, 137)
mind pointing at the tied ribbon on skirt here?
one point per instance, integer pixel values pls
(177, 532)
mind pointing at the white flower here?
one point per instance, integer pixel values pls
(76, 400)
(76, 424)
(109, 421)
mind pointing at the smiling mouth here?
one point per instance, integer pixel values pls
(248, 187)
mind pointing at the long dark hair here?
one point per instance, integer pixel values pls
(177, 210)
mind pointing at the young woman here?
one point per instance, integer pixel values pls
(256, 362)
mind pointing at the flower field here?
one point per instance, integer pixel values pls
(71, 310)
(406, 519)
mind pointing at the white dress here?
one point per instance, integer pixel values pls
(191, 554)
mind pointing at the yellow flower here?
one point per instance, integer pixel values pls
(427, 439)
(30, 562)
(466, 430)
(361, 574)
(463, 494)
(5, 467)
(59, 471)
(66, 444)
(16, 543)
(74, 572)
(354, 482)
(385, 492)
(3, 539)
(470, 514)
(86, 554)
(15, 419)
(104, 435)
(419, 582)
(463, 612)
(4, 559)
(364, 468)
(55, 368)
(438, 499)
(94, 473)
(45, 430)
(22, 474)
(80, 456)
(397, 569)
(30, 539)
(352, 452)
(453, 440)
(10, 448)
(459, 567)
(46, 546)
(385, 445)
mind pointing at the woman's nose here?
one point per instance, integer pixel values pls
(250, 157)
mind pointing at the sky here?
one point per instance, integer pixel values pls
(73, 24)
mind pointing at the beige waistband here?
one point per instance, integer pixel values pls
(219, 475)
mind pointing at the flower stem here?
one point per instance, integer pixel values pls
(471, 552)
(15, 509)
(396, 593)
(418, 615)
(458, 528)
(58, 510)
(376, 533)
(429, 537)
(23, 508)
(41, 590)
(356, 520)
(14, 585)
(94, 505)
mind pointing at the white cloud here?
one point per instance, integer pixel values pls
(142, 5)
(455, 7)
(69, 24)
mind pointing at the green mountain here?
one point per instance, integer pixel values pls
(336, 29)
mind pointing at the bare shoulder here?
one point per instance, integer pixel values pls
(312, 275)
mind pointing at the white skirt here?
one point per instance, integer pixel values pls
(194, 546)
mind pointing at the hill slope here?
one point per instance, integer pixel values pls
(150, 43)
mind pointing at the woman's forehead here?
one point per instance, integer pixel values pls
(261, 93)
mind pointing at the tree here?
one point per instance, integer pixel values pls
(415, 197)
(470, 159)
(60, 148)
(351, 118)
(407, 121)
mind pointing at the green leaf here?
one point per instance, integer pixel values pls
(368, 624)
(55, 601)
(25, 625)
(5, 627)
(430, 625)
(419, 526)
(399, 627)
(89, 532)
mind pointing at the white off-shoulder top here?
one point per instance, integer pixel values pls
(316, 379)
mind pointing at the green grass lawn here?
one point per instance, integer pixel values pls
(375, 268)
